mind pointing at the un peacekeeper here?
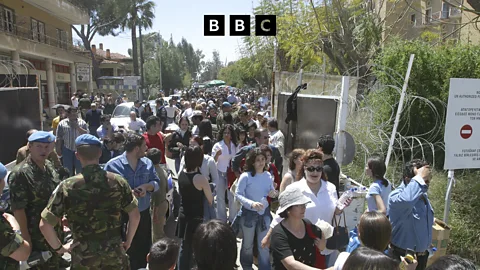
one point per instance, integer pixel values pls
(226, 107)
(93, 202)
(12, 246)
(31, 184)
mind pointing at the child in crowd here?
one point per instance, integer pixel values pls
(163, 254)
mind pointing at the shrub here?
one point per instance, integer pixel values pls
(463, 218)
(427, 93)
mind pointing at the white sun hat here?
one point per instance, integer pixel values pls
(291, 196)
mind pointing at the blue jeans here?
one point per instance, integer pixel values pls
(220, 198)
(177, 165)
(246, 253)
(70, 161)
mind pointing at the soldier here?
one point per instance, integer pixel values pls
(93, 202)
(31, 184)
(23, 152)
(226, 107)
(12, 246)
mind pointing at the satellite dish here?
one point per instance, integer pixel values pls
(349, 149)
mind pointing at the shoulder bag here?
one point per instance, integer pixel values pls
(339, 238)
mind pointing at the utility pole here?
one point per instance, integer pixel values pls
(159, 53)
(142, 73)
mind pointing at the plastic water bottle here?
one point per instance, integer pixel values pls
(348, 194)
(35, 259)
(348, 183)
(265, 205)
(431, 251)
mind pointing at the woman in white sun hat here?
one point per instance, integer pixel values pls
(296, 243)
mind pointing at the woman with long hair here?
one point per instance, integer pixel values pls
(254, 186)
(322, 194)
(377, 195)
(223, 152)
(209, 170)
(242, 137)
(295, 164)
(180, 141)
(193, 187)
(147, 112)
(205, 132)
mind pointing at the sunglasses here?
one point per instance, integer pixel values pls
(312, 169)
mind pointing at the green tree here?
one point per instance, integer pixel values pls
(175, 66)
(105, 19)
(140, 12)
(212, 68)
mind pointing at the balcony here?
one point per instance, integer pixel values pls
(455, 12)
(65, 10)
(37, 33)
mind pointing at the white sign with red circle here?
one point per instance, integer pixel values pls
(466, 131)
(462, 127)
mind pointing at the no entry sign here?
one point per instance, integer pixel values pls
(462, 128)
(466, 131)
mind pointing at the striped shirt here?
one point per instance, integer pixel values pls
(68, 134)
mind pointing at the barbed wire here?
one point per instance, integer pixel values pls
(13, 69)
(371, 136)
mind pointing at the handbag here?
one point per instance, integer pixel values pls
(340, 237)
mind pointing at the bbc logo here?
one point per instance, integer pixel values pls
(214, 25)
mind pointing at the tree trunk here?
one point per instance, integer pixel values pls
(142, 73)
(134, 48)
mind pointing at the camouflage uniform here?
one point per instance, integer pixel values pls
(159, 203)
(9, 243)
(30, 189)
(220, 121)
(93, 202)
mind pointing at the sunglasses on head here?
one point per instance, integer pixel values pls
(312, 168)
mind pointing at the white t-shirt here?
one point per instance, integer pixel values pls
(170, 111)
(224, 159)
(136, 125)
(188, 113)
(341, 259)
(75, 102)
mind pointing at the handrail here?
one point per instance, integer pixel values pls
(22, 27)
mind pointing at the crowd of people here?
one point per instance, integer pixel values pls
(105, 189)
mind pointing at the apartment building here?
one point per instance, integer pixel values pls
(440, 20)
(116, 72)
(38, 34)
(113, 64)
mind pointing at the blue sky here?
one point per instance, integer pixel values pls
(184, 18)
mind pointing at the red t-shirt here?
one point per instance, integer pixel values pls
(156, 141)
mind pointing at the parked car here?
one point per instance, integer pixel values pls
(121, 115)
